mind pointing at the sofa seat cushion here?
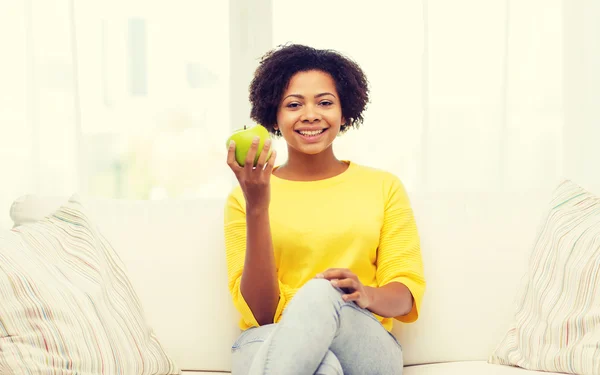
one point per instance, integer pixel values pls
(469, 368)
(451, 368)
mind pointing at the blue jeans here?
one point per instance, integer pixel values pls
(319, 333)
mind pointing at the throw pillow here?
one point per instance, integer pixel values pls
(557, 321)
(67, 305)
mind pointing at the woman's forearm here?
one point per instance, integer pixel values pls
(259, 285)
(391, 300)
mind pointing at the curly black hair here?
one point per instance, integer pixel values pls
(277, 67)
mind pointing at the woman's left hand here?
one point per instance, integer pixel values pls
(347, 281)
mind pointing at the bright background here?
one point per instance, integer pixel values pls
(134, 99)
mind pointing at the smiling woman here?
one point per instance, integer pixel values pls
(318, 289)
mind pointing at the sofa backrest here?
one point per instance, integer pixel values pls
(475, 249)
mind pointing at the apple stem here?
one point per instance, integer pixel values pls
(244, 127)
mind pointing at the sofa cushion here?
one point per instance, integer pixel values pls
(469, 368)
(557, 321)
(67, 303)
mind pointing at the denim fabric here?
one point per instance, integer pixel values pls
(319, 333)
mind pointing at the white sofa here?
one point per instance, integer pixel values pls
(475, 248)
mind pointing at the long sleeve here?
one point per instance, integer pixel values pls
(399, 252)
(235, 249)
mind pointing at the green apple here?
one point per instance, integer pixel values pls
(243, 140)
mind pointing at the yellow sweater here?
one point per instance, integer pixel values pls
(360, 220)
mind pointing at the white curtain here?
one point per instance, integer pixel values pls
(134, 100)
(38, 103)
(582, 92)
(466, 94)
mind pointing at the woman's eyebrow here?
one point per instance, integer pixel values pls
(316, 96)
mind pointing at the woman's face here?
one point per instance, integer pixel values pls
(310, 112)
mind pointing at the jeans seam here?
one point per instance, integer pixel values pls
(337, 320)
(240, 346)
(268, 355)
(396, 341)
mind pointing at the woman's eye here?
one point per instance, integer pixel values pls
(326, 103)
(293, 105)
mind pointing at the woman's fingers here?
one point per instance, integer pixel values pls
(345, 284)
(262, 160)
(271, 163)
(265, 160)
(351, 297)
(336, 273)
(233, 164)
(254, 181)
(251, 156)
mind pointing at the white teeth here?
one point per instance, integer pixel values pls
(311, 132)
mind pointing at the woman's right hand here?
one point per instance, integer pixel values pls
(254, 181)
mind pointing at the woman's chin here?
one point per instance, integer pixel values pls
(313, 149)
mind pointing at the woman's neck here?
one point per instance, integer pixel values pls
(305, 167)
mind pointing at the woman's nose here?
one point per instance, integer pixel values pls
(310, 114)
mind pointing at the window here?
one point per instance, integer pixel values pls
(154, 96)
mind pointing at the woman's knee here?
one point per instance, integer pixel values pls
(316, 298)
(320, 289)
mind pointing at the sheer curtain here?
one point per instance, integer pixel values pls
(39, 115)
(582, 92)
(154, 79)
(466, 95)
(134, 100)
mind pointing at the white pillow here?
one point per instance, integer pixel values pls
(66, 303)
(557, 321)
(31, 208)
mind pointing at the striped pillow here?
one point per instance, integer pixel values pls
(557, 322)
(66, 304)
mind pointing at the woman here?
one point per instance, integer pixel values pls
(322, 253)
